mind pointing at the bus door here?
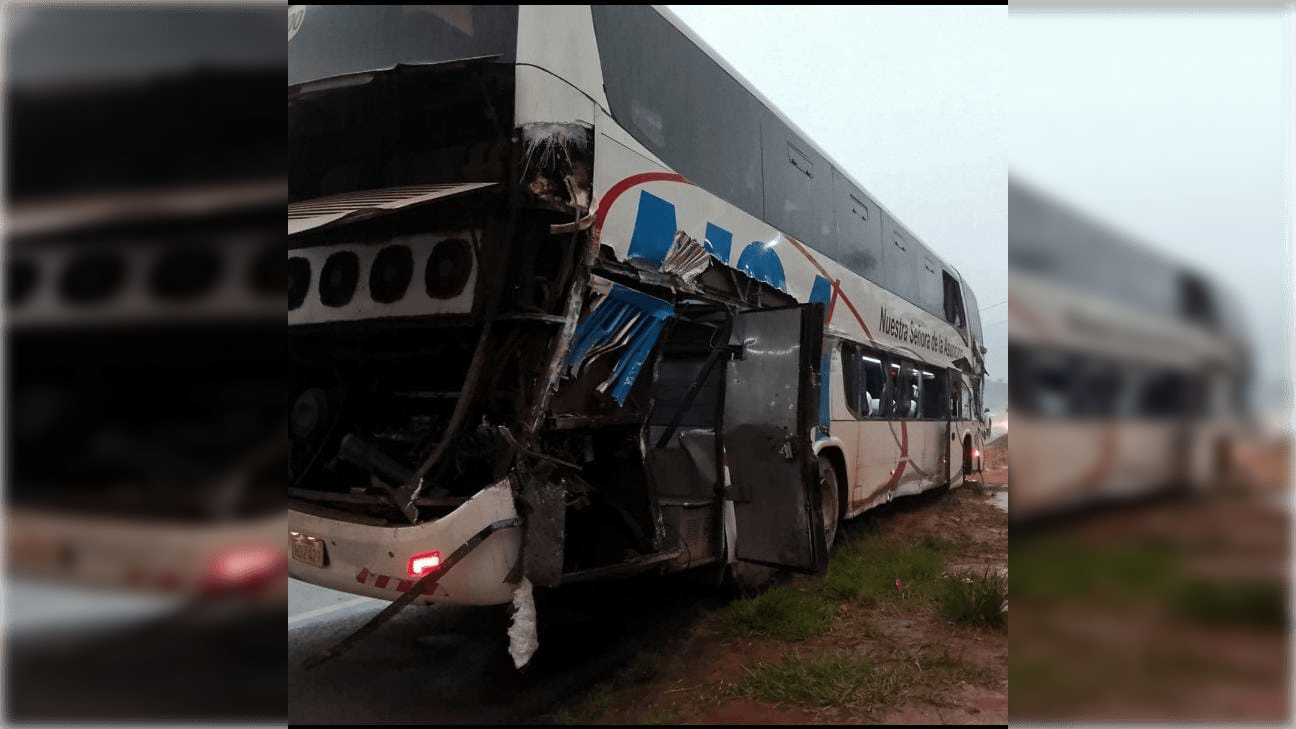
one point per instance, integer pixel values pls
(771, 402)
(953, 443)
(682, 453)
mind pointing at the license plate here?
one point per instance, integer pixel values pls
(308, 549)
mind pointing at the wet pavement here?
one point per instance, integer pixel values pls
(449, 663)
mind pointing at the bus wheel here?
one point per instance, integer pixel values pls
(828, 493)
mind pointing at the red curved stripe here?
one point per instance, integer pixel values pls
(1102, 468)
(836, 286)
(851, 306)
(904, 455)
(832, 303)
(619, 188)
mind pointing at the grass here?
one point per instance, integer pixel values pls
(788, 611)
(866, 570)
(1148, 571)
(873, 571)
(975, 599)
(1260, 603)
(821, 682)
(1066, 570)
(595, 705)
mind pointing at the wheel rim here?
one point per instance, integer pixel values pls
(828, 500)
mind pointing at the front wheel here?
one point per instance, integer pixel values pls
(828, 493)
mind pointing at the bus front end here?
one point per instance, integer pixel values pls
(432, 256)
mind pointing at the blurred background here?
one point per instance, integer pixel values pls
(1149, 345)
(145, 185)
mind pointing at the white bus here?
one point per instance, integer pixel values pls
(570, 300)
(146, 372)
(1129, 371)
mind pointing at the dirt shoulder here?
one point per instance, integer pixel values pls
(1168, 610)
(906, 627)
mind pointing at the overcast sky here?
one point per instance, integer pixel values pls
(907, 100)
(1173, 126)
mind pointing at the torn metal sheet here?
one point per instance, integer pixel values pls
(624, 318)
(687, 258)
(352, 206)
(46, 216)
(556, 161)
(523, 637)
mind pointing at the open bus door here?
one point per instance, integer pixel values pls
(955, 458)
(770, 406)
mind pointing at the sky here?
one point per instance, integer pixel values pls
(1174, 126)
(906, 100)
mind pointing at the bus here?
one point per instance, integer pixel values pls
(146, 414)
(1130, 371)
(144, 290)
(569, 300)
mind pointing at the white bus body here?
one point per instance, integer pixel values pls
(695, 367)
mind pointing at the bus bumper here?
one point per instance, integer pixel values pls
(375, 561)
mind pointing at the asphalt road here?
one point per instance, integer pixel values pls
(449, 664)
(84, 656)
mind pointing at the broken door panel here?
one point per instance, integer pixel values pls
(681, 429)
(770, 406)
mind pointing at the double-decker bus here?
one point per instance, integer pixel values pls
(1129, 371)
(146, 418)
(570, 300)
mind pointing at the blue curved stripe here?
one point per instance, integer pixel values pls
(654, 229)
(759, 261)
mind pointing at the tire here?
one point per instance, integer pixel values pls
(829, 499)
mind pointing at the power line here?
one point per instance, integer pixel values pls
(1001, 303)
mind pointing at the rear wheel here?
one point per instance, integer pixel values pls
(828, 499)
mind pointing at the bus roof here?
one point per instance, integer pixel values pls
(679, 24)
(1056, 240)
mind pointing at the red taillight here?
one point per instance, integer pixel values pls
(976, 453)
(421, 564)
(245, 567)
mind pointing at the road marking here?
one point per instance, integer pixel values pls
(310, 615)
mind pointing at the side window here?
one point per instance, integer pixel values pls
(851, 378)
(935, 402)
(874, 386)
(953, 301)
(864, 382)
(1165, 394)
(1053, 386)
(909, 395)
(1101, 387)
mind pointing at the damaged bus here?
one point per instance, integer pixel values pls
(1129, 371)
(569, 300)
